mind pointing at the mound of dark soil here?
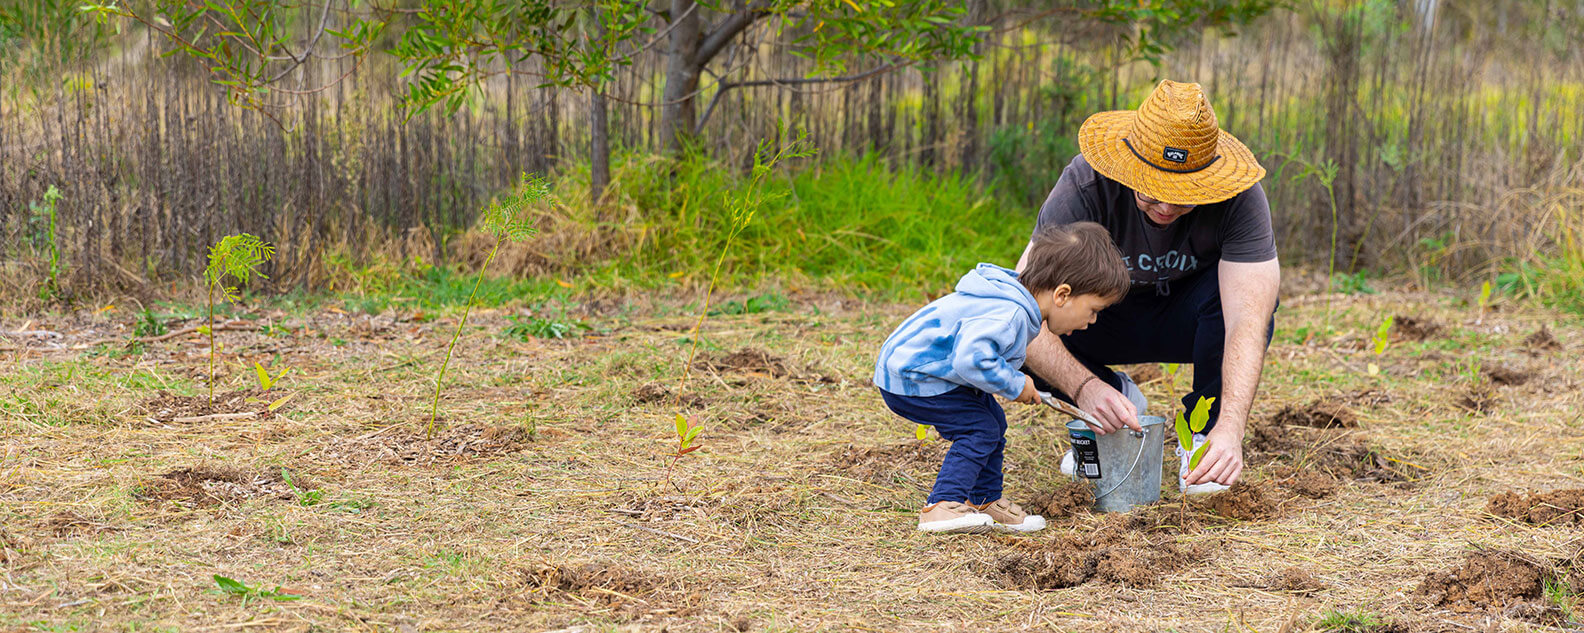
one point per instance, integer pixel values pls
(1542, 341)
(408, 445)
(166, 406)
(1409, 328)
(882, 463)
(1246, 501)
(1558, 507)
(1320, 415)
(208, 486)
(1069, 499)
(1108, 556)
(1269, 439)
(1354, 459)
(656, 393)
(1488, 579)
(1507, 375)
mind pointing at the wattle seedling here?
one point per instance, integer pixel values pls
(234, 257)
(1195, 422)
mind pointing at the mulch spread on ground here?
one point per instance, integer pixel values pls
(409, 446)
(166, 406)
(213, 485)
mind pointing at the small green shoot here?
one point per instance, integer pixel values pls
(265, 380)
(249, 594)
(51, 288)
(234, 257)
(305, 498)
(1382, 335)
(1484, 300)
(1171, 373)
(921, 432)
(506, 218)
(541, 327)
(148, 324)
(1348, 621)
(1197, 421)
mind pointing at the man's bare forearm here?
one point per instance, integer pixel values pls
(1049, 359)
(1248, 299)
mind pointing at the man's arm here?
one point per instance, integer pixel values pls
(1248, 297)
(1050, 359)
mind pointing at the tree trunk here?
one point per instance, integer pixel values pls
(682, 77)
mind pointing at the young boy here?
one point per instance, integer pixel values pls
(944, 364)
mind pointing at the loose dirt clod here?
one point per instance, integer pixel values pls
(1319, 415)
(1409, 328)
(1542, 340)
(1069, 499)
(1558, 507)
(1245, 501)
(1506, 375)
(1268, 438)
(207, 486)
(1487, 579)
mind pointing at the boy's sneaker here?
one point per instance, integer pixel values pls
(953, 517)
(1069, 466)
(1208, 487)
(1011, 518)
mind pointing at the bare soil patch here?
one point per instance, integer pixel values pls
(1486, 580)
(212, 485)
(1416, 329)
(405, 445)
(1558, 507)
(1304, 482)
(759, 362)
(653, 393)
(1113, 553)
(1542, 340)
(882, 463)
(1506, 374)
(1295, 580)
(166, 406)
(1320, 415)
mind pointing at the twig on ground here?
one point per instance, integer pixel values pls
(217, 416)
(664, 533)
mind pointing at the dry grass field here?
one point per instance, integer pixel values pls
(1393, 500)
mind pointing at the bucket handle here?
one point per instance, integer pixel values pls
(1084, 417)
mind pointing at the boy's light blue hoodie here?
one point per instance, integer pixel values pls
(976, 336)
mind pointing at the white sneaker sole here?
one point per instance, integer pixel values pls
(1031, 523)
(966, 524)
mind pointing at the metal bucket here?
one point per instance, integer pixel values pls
(1129, 469)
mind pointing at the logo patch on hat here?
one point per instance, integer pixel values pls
(1175, 155)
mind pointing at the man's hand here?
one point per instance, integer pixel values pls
(1223, 460)
(1030, 395)
(1109, 406)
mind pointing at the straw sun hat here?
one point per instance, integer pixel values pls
(1170, 149)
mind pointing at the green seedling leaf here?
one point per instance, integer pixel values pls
(1484, 295)
(1171, 369)
(1198, 454)
(1184, 435)
(681, 426)
(1381, 335)
(231, 586)
(1201, 414)
(920, 431)
(263, 377)
(692, 433)
(281, 402)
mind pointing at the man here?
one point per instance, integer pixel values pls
(1183, 203)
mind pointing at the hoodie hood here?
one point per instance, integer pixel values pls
(989, 281)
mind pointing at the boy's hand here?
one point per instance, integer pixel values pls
(1109, 406)
(1030, 395)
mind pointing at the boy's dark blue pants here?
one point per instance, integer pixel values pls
(1184, 326)
(976, 426)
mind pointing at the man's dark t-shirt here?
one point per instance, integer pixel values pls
(1235, 230)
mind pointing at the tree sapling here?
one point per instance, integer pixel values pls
(236, 257)
(506, 219)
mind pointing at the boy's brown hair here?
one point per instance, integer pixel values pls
(1080, 255)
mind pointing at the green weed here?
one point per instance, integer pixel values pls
(1348, 621)
(771, 302)
(250, 594)
(541, 327)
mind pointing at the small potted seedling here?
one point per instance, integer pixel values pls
(506, 219)
(237, 258)
(1193, 424)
